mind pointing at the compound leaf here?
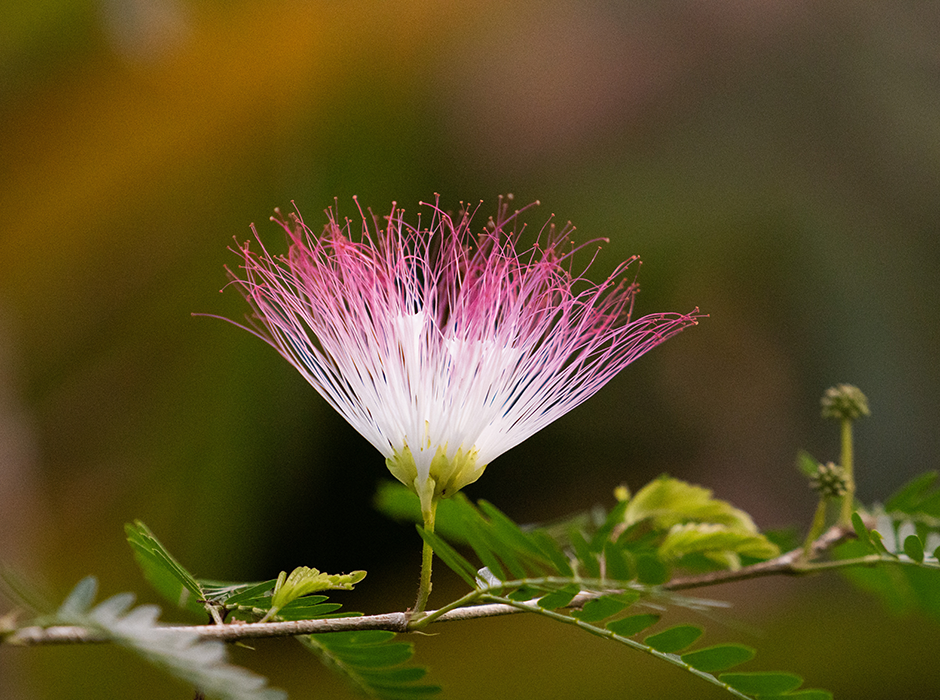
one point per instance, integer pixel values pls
(178, 652)
(714, 540)
(304, 580)
(912, 495)
(162, 570)
(667, 502)
(372, 661)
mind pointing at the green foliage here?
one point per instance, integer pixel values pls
(560, 598)
(666, 524)
(719, 657)
(906, 537)
(280, 598)
(674, 639)
(506, 550)
(718, 542)
(162, 571)
(612, 562)
(450, 556)
(919, 495)
(665, 644)
(180, 653)
(806, 463)
(370, 659)
(602, 608)
(695, 523)
(373, 661)
(634, 624)
(24, 593)
(303, 580)
(667, 502)
(762, 684)
(400, 503)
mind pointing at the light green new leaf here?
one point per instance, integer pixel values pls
(667, 502)
(715, 541)
(877, 541)
(304, 580)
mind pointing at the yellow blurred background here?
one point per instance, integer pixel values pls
(775, 163)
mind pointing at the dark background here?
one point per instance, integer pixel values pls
(776, 164)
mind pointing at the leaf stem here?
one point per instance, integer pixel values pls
(434, 615)
(673, 659)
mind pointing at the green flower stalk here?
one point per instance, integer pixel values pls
(846, 403)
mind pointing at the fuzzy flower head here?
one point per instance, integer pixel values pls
(443, 347)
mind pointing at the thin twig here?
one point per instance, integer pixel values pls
(393, 622)
(790, 563)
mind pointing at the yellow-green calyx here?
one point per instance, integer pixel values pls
(447, 475)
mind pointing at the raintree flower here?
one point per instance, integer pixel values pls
(442, 346)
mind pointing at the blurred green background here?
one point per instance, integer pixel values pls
(775, 163)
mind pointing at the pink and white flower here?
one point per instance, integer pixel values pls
(443, 347)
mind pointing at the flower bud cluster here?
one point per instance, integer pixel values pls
(829, 481)
(844, 402)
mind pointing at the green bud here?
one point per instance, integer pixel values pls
(447, 476)
(829, 481)
(844, 402)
